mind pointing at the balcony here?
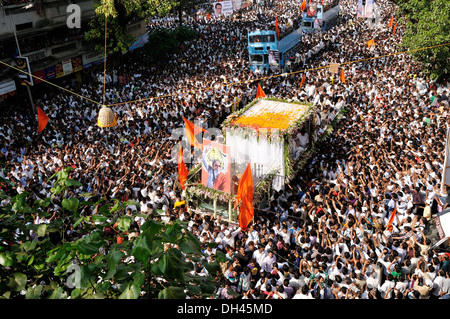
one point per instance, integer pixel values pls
(43, 16)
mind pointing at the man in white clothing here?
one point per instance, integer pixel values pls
(228, 238)
(260, 254)
(268, 261)
(303, 293)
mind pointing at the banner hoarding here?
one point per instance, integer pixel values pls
(222, 8)
(216, 166)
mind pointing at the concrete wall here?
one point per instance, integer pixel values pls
(51, 14)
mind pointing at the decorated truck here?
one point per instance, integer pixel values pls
(275, 136)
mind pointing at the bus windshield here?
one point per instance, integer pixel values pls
(256, 59)
(262, 38)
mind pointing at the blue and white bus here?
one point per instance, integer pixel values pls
(319, 18)
(264, 49)
(260, 44)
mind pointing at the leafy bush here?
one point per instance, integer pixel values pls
(164, 42)
(42, 261)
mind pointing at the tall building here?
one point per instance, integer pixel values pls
(42, 34)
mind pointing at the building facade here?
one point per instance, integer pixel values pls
(43, 31)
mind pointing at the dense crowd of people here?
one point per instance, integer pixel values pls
(326, 236)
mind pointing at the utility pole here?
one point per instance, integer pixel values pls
(28, 6)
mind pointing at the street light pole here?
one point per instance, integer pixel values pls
(28, 6)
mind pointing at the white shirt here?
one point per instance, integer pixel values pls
(438, 283)
(267, 263)
(230, 240)
(401, 286)
(286, 236)
(302, 296)
(259, 256)
(385, 287)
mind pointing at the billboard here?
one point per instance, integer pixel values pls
(50, 72)
(443, 223)
(237, 4)
(446, 169)
(92, 58)
(274, 60)
(77, 64)
(365, 10)
(274, 57)
(216, 166)
(67, 66)
(59, 70)
(7, 86)
(222, 8)
(311, 10)
(39, 76)
(23, 64)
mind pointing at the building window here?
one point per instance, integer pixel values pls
(24, 26)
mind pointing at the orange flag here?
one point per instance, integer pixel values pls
(391, 22)
(244, 196)
(342, 77)
(391, 219)
(303, 7)
(190, 129)
(42, 120)
(260, 92)
(182, 170)
(276, 28)
(303, 80)
(395, 27)
(370, 43)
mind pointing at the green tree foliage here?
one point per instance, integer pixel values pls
(427, 24)
(163, 42)
(119, 13)
(37, 261)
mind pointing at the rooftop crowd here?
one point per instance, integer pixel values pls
(326, 235)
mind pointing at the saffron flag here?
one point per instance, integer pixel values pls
(276, 28)
(42, 120)
(190, 129)
(446, 170)
(391, 219)
(182, 170)
(303, 80)
(260, 92)
(370, 43)
(244, 196)
(391, 22)
(303, 7)
(395, 27)
(342, 77)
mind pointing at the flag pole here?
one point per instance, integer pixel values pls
(444, 173)
(229, 210)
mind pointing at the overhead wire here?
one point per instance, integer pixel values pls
(275, 76)
(48, 82)
(209, 88)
